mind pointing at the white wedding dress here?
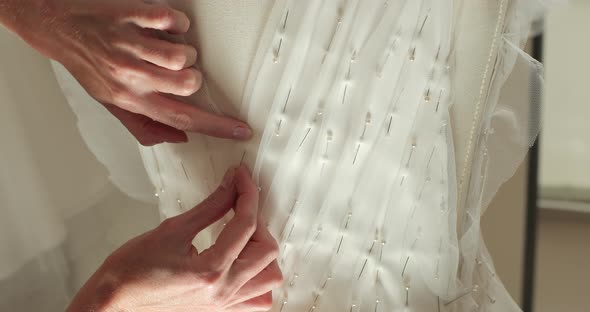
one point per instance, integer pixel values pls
(381, 131)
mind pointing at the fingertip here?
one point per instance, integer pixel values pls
(242, 132)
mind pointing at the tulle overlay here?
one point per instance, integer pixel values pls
(354, 153)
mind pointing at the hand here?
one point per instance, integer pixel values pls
(162, 271)
(116, 51)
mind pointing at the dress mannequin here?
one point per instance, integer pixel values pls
(370, 125)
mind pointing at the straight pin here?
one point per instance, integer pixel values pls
(278, 130)
(438, 302)
(405, 265)
(304, 137)
(424, 22)
(283, 305)
(362, 269)
(407, 295)
(340, 243)
(411, 154)
(427, 95)
(367, 122)
(242, 159)
(290, 232)
(180, 204)
(459, 297)
(285, 21)
(278, 51)
(438, 101)
(430, 158)
(344, 94)
(356, 153)
(402, 182)
(184, 170)
(376, 305)
(287, 100)
(389, 125)
(413, 54)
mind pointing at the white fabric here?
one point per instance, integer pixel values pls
(414, 219)
(354, 155)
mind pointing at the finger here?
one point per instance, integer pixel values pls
(261, 250)
(161, 17)
(213, 208)
(147, 131)
(185, 117)
(173, 56)
(270, 278)
(238, 231)
(184, 82)
(260, 303)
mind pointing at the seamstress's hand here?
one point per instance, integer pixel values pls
(116, 51)
(162, 271)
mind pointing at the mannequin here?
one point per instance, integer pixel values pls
(371, 122)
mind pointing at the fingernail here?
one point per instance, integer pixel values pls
(228, 178)
(242, 133)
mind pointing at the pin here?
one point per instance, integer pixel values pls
(283, 305)
(305, 137)
(293, 279)
(352, 306)
(430, 158)
(285, 21)
(411, 154)
(348, 220)
(180, 204)
(405, 265)
(325, 283)
(423, 186)
(340, 243)
(184, 170)
(352, 60)
(459, 297)
(278, 130)
(438, 302)
(356, 153)
(389, 125)
(376, 305)
(427, 96)
(313, 243)
(413, 54)
(278, 50)
(344, 94)
(329, 138)
(242, 159)
(438, 101)
(424, 22)
(407, 295)
(338, 24)
(362, 269)
(381, 253)
(367, 122)
(287, 100)
(402, 182)
(290, 232)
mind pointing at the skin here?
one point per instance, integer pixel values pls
(118, 51)
(162, 271)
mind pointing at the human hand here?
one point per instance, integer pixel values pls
(162, 271)
(116, 50)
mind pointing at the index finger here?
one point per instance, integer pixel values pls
(238, 231)
(185, 117)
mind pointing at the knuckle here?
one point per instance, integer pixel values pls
(182, 122)
(176, 57)
(161, 15)
(191, 82)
